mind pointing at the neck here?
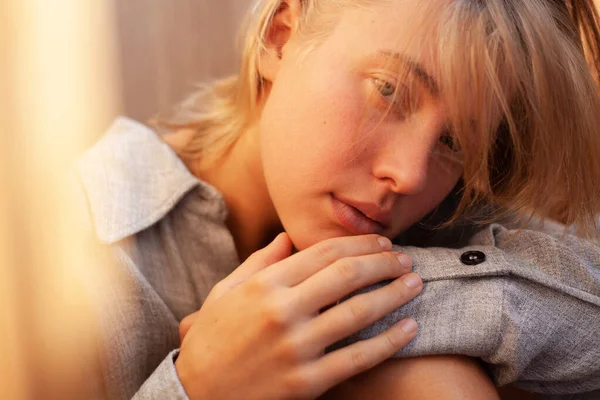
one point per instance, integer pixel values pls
(239, 177)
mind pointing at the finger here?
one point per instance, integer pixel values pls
(306, 263)
(279, 249)
(359, 311)
(346, 276)
(346, 362)
(186, 324)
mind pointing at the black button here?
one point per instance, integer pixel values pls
(472, 257)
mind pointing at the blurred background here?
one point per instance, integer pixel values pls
(67, 69)
(165, 47)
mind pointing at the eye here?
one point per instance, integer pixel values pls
(450, 142)
(386, 88)
(396, 98)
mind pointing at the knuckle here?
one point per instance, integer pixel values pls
(392, 343)
(297, 383)
(358, 312)
(397, 293)
(258, 285)
(290, 352)
(274, 317)
(348, 271)
(359, 361)
(389, 262)
(327, 250)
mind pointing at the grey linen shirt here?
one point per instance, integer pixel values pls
(530, 310)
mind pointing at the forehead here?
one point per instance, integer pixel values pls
(407, 27)
(431, 35)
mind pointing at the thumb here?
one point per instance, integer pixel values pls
(186, 324)
(279, 249)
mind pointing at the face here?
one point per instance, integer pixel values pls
(349, 145)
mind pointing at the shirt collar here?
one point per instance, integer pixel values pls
(132, 179)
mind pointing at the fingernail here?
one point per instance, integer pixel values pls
(412, 280)
(385, 243)
(403, 259)
(409, 325)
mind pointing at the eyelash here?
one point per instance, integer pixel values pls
(400, 102)
(405, 107)
(450, 142)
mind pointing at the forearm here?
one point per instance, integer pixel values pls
(431, 377)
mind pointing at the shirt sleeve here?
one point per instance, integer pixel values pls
(163, 383)
(136, 331)
(526, 303)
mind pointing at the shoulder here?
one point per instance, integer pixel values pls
(544, 253)
(527, 302)
(131, 179)
(548, 254)
(550, 308)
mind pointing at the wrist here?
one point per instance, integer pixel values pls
(187, 378)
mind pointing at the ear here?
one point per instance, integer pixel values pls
(283, 26)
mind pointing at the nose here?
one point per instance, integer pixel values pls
(402, 163)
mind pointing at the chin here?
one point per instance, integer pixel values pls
(305, 237)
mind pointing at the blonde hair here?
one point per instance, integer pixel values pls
(533, 65)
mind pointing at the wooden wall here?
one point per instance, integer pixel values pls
(167, 46)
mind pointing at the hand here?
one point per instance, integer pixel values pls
(260, 335)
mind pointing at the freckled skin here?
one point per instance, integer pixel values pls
(321, 133)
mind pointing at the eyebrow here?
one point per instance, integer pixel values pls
(414, 67)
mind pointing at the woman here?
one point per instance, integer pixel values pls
(350, 121)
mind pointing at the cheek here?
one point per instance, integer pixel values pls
(310, 122)
(441, 180)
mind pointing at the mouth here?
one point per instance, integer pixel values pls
(355, 220)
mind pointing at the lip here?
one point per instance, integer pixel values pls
(354, 219)
(372, 211)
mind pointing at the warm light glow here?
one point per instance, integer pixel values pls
(59, 85)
